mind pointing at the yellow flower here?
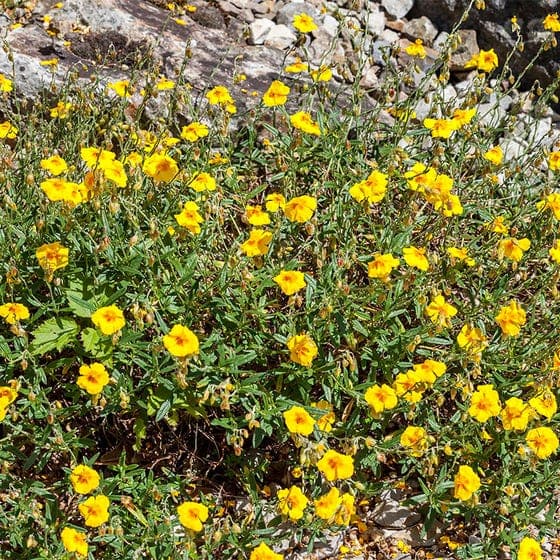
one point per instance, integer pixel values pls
(220, 95)
(419, 177)
(322, 74)
(545, 403)
(14, 312)
(543, 441)
(181, 342)
(55, 165)
(298, 421)
(515, 415)
(382, 265)
(511, 318)
(554, 161)
(61, 110)
(416, 258)
(494, 155)
(290, 281)
(189, 217)
(429, 370)
(194, 131)
(551, 23)
(304, 23)
(95, 510)
(498, 225)
(336, 466)
(93, 378)
(303, 349)
(74, 541)
(325, 422)
(203, 182)
(300, 209)
(466, 483)
(256, 216)
(381, 398)
(297, 66)
(346, 510)
(415, 438)
(408, 383)
(463, 116)
(51, 257)
(486, 61)
(121, 88)
(276, 94)
(460, 254)
(485, 403)
(554, 251)
(192, 515)
(530, 549)
(472, 339)
(257, 244)
(8, 130)
(416, 49)
(327, 505)
(114, 171)
(441, 128)
(5, 84)
(263, 552)
(440, 312)
(84, 479)
(164, 84)
(108, 320)
(373, 189)
(304, 122)
(513, 248)
(292, 502)
(551, 201)
(7, 395)
(275, 201)
(96, 156)
(160, 167)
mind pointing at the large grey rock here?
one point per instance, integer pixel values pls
(421, 28)
(258, 30)
(287, 12)
(280, 37)
(375, 22)
(397, 8)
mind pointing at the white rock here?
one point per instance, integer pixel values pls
(280, 37)
(369, 77)
(375, 23)
(397, 8)
(259, 29)
(389, 36)
(440, 41)
(286, 14)
(330, 25)
(535, 131)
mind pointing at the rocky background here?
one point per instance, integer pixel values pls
(253, 39)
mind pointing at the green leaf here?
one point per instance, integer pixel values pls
(54, 334)
(95, 345)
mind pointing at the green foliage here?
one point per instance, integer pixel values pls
(209, 425)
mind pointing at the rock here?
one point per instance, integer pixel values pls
(369, 79)
(258, 30)
(421, 28)
(329, 26)
(389, 36)
(280, 37)
(390, 513)
(514, 150)
(375, 22)
(440, 40)
(397, 8)
(465, 50)
(534, 131)
(285, 15)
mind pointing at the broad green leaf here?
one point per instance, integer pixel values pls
(54, 334)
